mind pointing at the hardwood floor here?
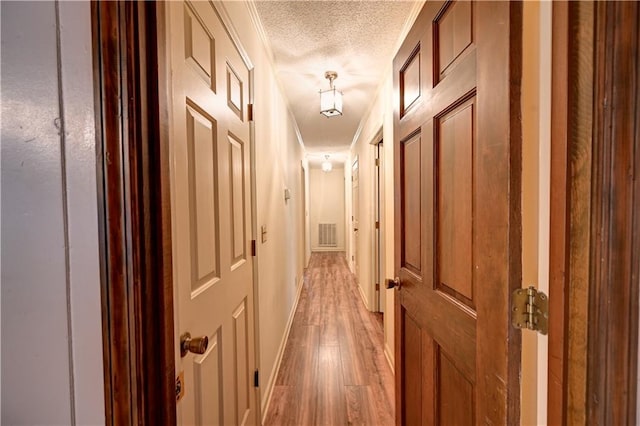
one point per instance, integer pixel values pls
(333, 370)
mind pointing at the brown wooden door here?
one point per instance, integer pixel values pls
(457, 214)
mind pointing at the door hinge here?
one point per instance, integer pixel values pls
(530, 310)
(377, 163)
(377, 225)
(377, 286)
(253, 247)
(256, 378)
(250, 112)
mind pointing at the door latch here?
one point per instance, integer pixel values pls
(180, 386)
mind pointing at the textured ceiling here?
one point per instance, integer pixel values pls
(355, 38)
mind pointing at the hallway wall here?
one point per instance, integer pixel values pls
(52, 369)
(326, 205)
(536, 164)
(379, 117)
(278, 156)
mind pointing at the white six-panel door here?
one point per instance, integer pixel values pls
(211, 214)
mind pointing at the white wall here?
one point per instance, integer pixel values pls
(364, 151)
(51, 322)
(279, 155)
(326, 205)
(536, 163)
(379, 117)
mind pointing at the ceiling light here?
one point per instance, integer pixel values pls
(331, 99)
(326, 164)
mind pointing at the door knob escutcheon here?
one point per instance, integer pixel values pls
(196, 345)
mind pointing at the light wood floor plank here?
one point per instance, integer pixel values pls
(333, 370)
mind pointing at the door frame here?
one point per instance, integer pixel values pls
(377, 212)
(593, 335)
(614, 275)
(134, 206)
(569, 211)
(134, 212)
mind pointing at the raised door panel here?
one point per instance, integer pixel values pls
(237, 195)
(453, 31)
(410, 158)
(199, 46)
(454, 194)
(410, 81)
(203, 197)
(411, 372)
(208, 384)
(235, 92)
(455, 393)
(241, 362)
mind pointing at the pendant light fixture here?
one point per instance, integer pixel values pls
(326, 164)
(331, 99)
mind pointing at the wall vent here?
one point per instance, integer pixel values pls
(327, 235)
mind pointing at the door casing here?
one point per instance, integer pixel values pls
(132, 109)
(134, 213)
(595, 234)
(135, 221)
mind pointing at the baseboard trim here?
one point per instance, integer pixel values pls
(363, 297)
(283, 344)
(388, 354)
(327, 249)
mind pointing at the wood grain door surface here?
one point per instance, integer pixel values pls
(457, 210)
(211, 216)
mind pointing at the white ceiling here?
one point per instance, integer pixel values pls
(355, 38)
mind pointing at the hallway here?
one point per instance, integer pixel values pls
(333, 370)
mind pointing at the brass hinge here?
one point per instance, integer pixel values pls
(377, 286)
(250, 112)
(256, 378)
(377, 162)
(530, 310)
(377, 225)
(253, 247)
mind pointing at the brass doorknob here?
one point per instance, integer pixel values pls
(196, 345)
(391, 283)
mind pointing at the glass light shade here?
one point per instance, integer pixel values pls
(330, 102)
(326, 166)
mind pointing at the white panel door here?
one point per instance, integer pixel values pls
(355, 209)
(211, 213)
